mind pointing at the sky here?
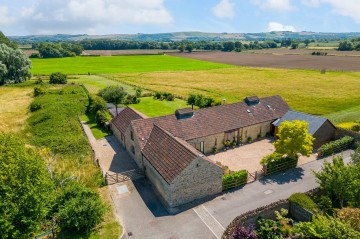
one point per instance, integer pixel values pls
(99, 17)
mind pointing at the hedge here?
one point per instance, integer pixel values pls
(335, 146)
(235, 179)
(275, 162)
(304, 201)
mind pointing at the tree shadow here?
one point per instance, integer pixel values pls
(292, 175)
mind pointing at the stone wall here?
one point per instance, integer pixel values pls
(200, 179)
(129, 143)
(209, 142)
(117, 134)
(254, 131)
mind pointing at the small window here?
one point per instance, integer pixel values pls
(215, 141)
(269, 107)
(249, 111)
(132, 135)
(202, 148)
(132, 149)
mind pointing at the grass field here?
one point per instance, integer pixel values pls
(118, 64)
(347, 115)
(14, 107)
(304, 90)
(151, 107)
(98, 132)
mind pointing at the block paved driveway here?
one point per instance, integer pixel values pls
(142, 215)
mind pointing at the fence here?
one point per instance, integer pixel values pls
(280, 167)
(251, 177)
(112, 178)
(333, 151)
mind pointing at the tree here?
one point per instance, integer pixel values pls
(79, 208)
(181, 48)
(345, 46)
(189, 47)
(26, 190)
(228, 46)
(293, 138)
(307, 42)
(6, 41)
(96, 104)
(58, 78)
(294, 45)
(14, 65)
(335, 180)
(113, 94)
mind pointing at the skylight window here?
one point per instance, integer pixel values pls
(249, 111)
(269, 107)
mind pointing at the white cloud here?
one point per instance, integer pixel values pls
(5, 18)
(278, 27)
(224, 9)
(277, 5)
(349, 8)
(74, 16)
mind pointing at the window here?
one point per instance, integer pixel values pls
(132, 149)
(215, 141)
(202, 147)
(132, 135)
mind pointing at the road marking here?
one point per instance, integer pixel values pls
(209, 220)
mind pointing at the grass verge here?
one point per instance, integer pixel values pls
(98, 131)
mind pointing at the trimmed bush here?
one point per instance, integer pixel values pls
(96, 103)
(304, 201)
(335, 146)
(35, 106)
(275, 162)
(351, 216)
(235, 179)
(38, 91)
(58, 78)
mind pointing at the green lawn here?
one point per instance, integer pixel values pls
(348, 115)
(152, 108)
(95, 83)
(98, 131)
(119, 64)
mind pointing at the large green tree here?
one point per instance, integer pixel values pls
(113, 94)
(14, 65)
(6, 41)
(293, 138)
(26, 190)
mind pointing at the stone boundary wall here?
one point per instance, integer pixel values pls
(268, 212)
(299, 213)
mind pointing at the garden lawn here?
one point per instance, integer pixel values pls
(119, 64)
(347, 115)
(304, 90)
(98, 131)
(152, 108)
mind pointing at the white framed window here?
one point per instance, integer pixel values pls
(202, 147)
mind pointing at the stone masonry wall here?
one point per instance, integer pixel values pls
(200, 179)
(129, 143)
(254, 130)
(209, 142)
(117, 134)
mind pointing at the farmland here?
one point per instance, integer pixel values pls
(343, 63)
(304, 90)
(116, 64)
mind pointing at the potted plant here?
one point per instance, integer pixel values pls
(249, 139)
(215, 149)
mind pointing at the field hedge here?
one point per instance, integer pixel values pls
(335, 146)
(234, 179)
(304, 201)
(275, 162)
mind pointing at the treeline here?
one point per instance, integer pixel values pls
(57, 50)
(350, 45)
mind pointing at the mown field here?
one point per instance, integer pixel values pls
(304, 90)
(117, 64)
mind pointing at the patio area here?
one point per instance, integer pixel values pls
(249, 156)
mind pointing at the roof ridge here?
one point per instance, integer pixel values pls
(317, 116)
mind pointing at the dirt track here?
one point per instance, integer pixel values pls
(338, 63)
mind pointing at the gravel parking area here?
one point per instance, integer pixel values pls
(249, 156)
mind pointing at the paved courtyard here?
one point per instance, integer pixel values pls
(248, 156)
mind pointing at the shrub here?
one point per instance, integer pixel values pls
(215, 150)
(235, 179)
(157, 95)
(38, 91)
(96, 103)
(132, 99)
(79, 208)
(351, 216)
(249, 139)
(102, 117)
(200, 100)
(304, 201)
(34, 55)
(244, 233)
(35, 106)
(138, 92)
(58, 78)
(227, 143)
(275, 162)
(335, 146)
(170, 97)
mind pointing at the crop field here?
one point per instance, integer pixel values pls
(151, 107)
(308, 51)
(118, 64)
(304, 90)
(337, 63)
(125, 52)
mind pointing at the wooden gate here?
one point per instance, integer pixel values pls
(252, 177)
(112, 178)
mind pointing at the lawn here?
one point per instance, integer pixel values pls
(304, 90)
(98, 131)
(119, 64)
(347, 115)
(152, 108)
(94, 83)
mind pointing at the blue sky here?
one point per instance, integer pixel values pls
(25, 17)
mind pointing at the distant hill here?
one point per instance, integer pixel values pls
(190, 36)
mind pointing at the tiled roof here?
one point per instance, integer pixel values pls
(124, 118)
(315, 122)
(167, 154)
(210, 121)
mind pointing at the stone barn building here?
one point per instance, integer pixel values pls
(319, 127)
(171, 149)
